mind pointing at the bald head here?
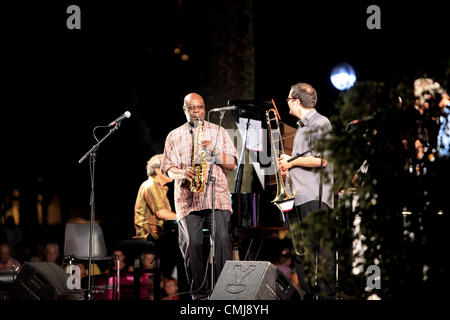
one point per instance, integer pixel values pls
(193, 98)
(194, 107)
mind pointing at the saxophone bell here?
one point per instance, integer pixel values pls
(197, 184)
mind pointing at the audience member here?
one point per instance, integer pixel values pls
(444, 129)
(428, 102)
(6, 261)
(149, 262)
(170, 289)
(284, 263)
(124, 267)
(52, 253)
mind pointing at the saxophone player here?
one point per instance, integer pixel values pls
(187, 152)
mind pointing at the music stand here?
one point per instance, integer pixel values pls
(251, 110)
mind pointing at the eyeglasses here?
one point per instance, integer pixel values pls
(192, 108)
(287, 99)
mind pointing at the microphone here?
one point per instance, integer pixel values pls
(127, 114)
(362, 119)
(224, 109)
(367, 118)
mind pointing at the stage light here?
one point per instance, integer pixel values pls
(343, 76)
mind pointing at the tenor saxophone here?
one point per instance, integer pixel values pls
(198, 159)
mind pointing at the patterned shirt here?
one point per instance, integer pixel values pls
(177, 154)
(150, 199)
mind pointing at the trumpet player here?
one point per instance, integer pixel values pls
(311, 195)
(188, 152)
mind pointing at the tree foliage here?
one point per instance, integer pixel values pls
(408, 249)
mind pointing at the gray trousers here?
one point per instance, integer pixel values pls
(190, 239)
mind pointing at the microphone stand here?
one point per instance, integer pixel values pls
(212, 180)
(92, 157)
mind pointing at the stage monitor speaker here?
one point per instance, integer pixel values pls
(253, 280)
(42, 281)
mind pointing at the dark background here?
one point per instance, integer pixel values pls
(58, 84)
